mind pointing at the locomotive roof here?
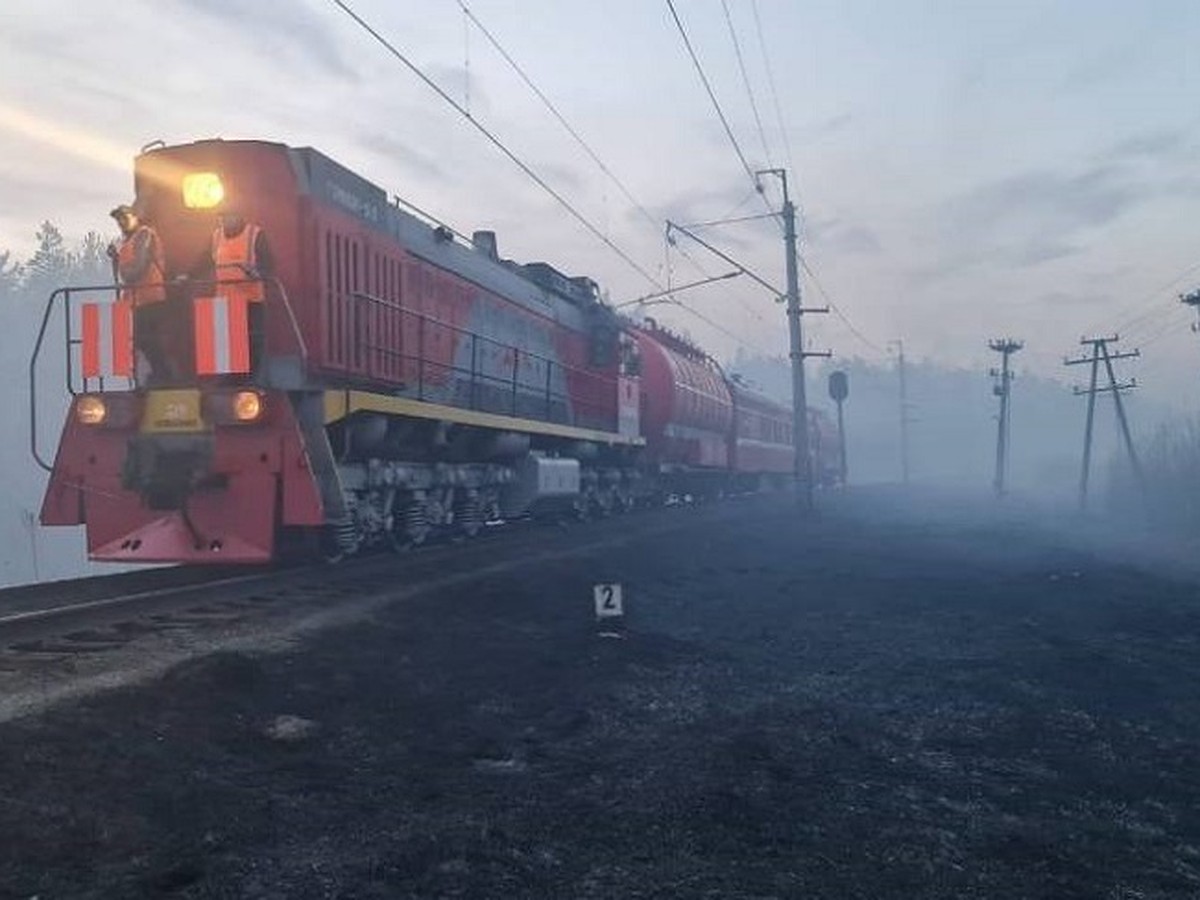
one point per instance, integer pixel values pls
(538, 286)
(537, 283)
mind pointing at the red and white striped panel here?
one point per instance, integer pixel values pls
(222, 330)
(107, 339)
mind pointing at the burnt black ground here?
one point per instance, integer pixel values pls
(869, 707)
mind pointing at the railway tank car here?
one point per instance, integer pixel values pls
(412, 381)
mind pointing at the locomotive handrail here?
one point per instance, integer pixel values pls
(295, 323)
(511, 380)
(64, 292)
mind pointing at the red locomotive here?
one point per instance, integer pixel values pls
(411, 381)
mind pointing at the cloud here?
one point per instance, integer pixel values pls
(836, 235)
(1153, 146)
(394, 149)
(1039, 250)
(1060, 299)
(1031, 219)
(1087, 199)
(562, 177)
(278, 23)
(826, 127)
(460, 83)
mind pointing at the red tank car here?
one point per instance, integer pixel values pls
(686, 410)
(412, 380)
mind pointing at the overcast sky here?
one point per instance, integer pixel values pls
(966, 170)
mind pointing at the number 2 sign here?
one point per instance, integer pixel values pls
(608, 601)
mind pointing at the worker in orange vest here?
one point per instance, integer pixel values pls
(241, 259)
(139, 267)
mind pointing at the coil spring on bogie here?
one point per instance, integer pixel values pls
(468, 515)
(346, 535)
(416, 524)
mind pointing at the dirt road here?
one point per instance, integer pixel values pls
(867, 706)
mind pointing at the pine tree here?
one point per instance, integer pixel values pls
(50, 261)
(89, 262)
(11, 277)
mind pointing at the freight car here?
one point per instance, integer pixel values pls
(412, 381)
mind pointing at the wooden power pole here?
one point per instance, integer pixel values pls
(1100, 355)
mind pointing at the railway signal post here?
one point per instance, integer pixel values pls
(839, 390)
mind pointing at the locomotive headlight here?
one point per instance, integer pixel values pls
(202, 190)
(90, 410)
(247, 406)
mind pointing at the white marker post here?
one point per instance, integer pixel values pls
(610, 609)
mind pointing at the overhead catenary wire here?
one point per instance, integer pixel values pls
(554, 111)
(737, 49)
(491, 38)
(712, 223)
(737, 147)
(742, 157)
(687, 43)
(607, 171)
(527, 169)
(762, 44)
(495, 141)
(837, 310)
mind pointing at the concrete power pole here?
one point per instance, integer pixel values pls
(1006, 347)
(802, 465)
(904, 408)
(1192, 300)
(1101, 355)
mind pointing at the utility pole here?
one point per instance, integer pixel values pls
(1192, 300)
(904, 408)
(1101, 354)
(1006, 347)
(802, 464)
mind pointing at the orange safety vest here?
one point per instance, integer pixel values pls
(233, 258)
(150, 288)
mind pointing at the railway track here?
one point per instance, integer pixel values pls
(57, 648)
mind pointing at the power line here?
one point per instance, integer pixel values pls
(495, 141)
(837, 311)
(787, 144)
(1168, 329)
(524, 167)
(570, 129)
(524, 76)
(712, 223)
(721, 328)
(687, 43)
(1124, 312)
(737, 49)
